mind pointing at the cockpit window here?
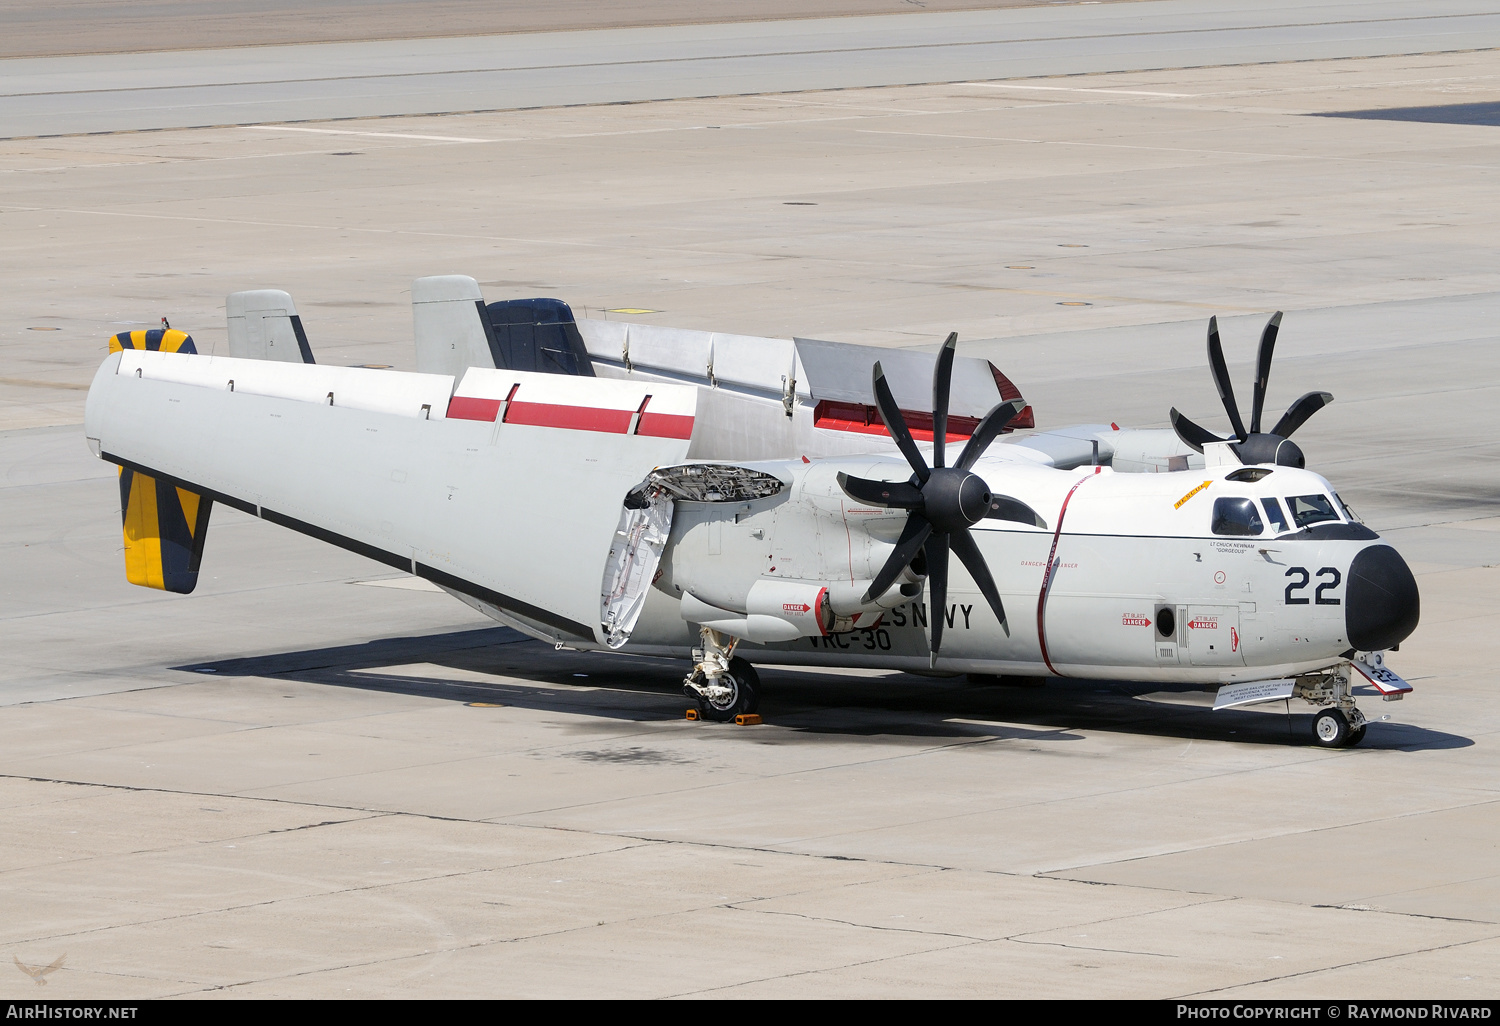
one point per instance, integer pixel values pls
(1236, 517)
(1311, 509)
(1273, 510)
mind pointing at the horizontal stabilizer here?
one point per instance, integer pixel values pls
(164, 526)
(157, 340)
(263, 325)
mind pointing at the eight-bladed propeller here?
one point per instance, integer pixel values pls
(1253, 446)
(943, 502)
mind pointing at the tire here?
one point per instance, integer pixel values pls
(745, 697)
(749, 684)
(1330, 729)
(1357, 734)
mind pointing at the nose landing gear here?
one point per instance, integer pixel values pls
(1340, 724)
(723, 686)
(1332, 730)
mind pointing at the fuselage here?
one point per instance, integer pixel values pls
(1227, 574)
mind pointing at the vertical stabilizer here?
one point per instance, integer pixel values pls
(165, 526)
(450, 325)
(263, 325)
(538, 335)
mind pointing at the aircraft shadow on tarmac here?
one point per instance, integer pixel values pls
(819, 704)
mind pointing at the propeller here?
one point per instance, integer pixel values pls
(1254, 445)
(942, 502)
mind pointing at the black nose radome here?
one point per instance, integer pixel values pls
(1382, 604)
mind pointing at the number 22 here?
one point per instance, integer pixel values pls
(1321, 596)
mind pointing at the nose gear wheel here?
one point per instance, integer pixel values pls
(1331, 729)
(1339, 724)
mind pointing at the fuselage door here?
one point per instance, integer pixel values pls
(634, 554)
(1212, 636)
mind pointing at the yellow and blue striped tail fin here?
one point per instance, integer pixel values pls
(165, 526)
(157, 340)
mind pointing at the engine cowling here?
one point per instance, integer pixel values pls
(783, 610)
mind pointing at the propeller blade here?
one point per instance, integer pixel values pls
(1193, 435)
(968, 552)
(891, 494)
(1296, 414)
(1263, 369)
(890, 414)
(988, 430)
(1003, 507)
(913, 536)
(942, 382)
(937, 588)
(1221, 379)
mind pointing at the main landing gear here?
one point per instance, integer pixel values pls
(1340, 724)
(724, 686)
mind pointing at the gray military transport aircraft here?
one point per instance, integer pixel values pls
(732, 500)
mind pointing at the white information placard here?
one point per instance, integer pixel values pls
(1251, 692)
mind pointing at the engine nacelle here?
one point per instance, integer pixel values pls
(782, 610)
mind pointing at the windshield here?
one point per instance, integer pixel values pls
(1273, 510)
(1311, 509)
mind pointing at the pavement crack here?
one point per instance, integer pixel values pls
(1091, 948)
(1407, 915)
(1340, 965)
(1060, 873)
(742, 907)
(326, 822)
(818, 971)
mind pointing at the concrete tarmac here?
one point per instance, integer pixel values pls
(323, 81)
(95, 27)
(315, 777)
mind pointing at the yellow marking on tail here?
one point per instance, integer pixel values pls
(189, 502)
(171, 340)
(143, 560)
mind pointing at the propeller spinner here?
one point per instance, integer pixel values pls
(942, 502)
(1253, 446)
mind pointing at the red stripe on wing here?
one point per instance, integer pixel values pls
(831, 415)
(665, 425)
(575, 418)
(462, 407)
